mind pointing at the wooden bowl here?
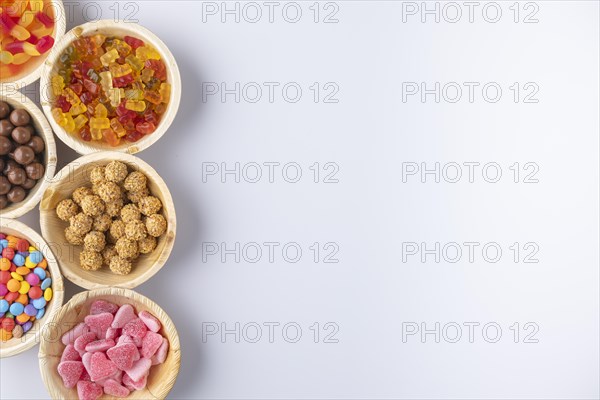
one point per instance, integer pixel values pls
(15, 346)
(76, 174)
(111, 28)
(19, 100)
(34, 67)
(162, 377)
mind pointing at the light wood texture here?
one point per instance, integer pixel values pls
(42, 127)
(76, 174)
(15, 346)
(34, 67)
(120, 29)
(162, 377)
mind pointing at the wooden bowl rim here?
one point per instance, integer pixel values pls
(51, 379)
(34, 196)
(64, 175)
(60, 27)
(174, 78)
(57, 289)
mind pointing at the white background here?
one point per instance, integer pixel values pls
(368, 135)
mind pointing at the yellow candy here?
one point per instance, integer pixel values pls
(27, 18)
(24, 287)
(99, 123)
(58, 84)
(71, 96)
(77, 109)
(4, 264)
(23, 270)
(29, 264)
(117, 127)
(31, 249)
(165, 92)
(115, 95)
(147, 53)
(6, 57)
(70, 123)
(96, 134)
(135, 105)
(134, 62)
(48, 294)
(109, 57)
(22, 318)
(16, 276)
(106, 81)
(5, 335)
(21, 58)
(134, 94)
(80, 121)
(120, 70)
(100, 111)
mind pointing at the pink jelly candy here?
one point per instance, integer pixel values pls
(70, 354)
(135, 385)
(123, 316)
(85, 376)
(89, 390)
(135, 329)
(101, 367)
(100, 345)
(117, 376)
(124, 339)
(112, 333)
(113, 388)
(70, 371)
(123, 355)
(99, 323)
(139, 369)
(85, 359)
(161, 353)
(101, 306)
(151, 322)
(150, 343)
(83, 340)
(74, 333)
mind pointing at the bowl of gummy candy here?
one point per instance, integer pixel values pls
(28, 31)
(31, 287)
(110, 85)
(108, 343)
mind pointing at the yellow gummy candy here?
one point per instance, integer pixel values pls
(80, 121)
(109, 57)
(71, 96)
(147, 53)
(96, 134)
(77, 109)
(58, 84)
(135, 105)
(106, 81)
(99, 123)
(118, 70)
(117, 127)
(100, 111)
(134, 62)
(165, 92)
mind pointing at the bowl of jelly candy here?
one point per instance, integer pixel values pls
(110, 86)
(28, 31)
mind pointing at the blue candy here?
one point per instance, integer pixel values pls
(4, 306)
(46, 283)
(40, 272)
(36, 257)
(39, 303)
(40, 313)
(18, 260)
(16, 308)
(3, 244)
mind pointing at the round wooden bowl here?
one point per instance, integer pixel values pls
(162, 377)
(111, 28)
(19, 100)
(34, 67)
(76, 174)
(15, 346)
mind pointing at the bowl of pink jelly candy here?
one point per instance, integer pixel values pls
(110, 343)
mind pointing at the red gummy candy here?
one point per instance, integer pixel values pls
(85, 134)
(112, 333)
(124, 314)
(101, 367)
(44, 19)
(99, 345)
(135, 385)
(133, 42)
(74, 333)
(140, 369)
(44, 44)
(150, 344)
(70, 371)
(134, 136)
(145, 128)
(150, 320)
(123, 355)
(89, 390)
(70, 354)
(113, 388)
(77, 88)
(63, 104)
(85, 376)
(91, 87)
(160, 70)
(135, 329)
(101, 306)
(161, 353)
(99, 323)
(123, 81)
(82, 341)
(110, 137)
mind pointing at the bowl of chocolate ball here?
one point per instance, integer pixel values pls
(27, 155)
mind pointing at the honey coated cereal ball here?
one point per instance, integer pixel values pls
(117, 229)
(94, 241)
(113, 208)
(90, 260)
(135, 182)
(120, 265)
(67, 209)
(108, 191)
(108, 253)
(135, 230)
(81, 224)
(80, 193)
(130, 213)
(156, 225)
(149, 205)
(97, 175)
(127, 248)
(147, 244)
(92, 205)
(72, 237)
(116, 171)
(135, 197)
(102, 223)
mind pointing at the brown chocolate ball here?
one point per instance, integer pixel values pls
(23, 155)
(5, 185)
(4, 109)
(10, 165)
(3, 202)
(20, 117)
(29, 184)
(16, 194)
(35, 171)
(21, 135)
(17, 176)
(37, 144)
(6, 127)
(5, 145)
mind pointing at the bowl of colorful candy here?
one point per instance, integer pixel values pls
(114, 215)
(31, 287)
(27, 155)
(110, 342)
(28, 30)
(110, 86)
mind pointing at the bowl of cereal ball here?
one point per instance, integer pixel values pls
(114, 216)
(109, 85)
(27, 155)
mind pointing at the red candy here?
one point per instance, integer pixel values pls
(70, 354)
(101, 306)
(89, 390)
(5, 277)
(133, 42)
(82, 341)
(70, 372)
(150, 344)
(113, 388)
(22, 245)
(9, 253)
(101, 367)
(35, 292)
(135, 329)
(123, 355)
(99, 345)
(124, 315)
(99, 323)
